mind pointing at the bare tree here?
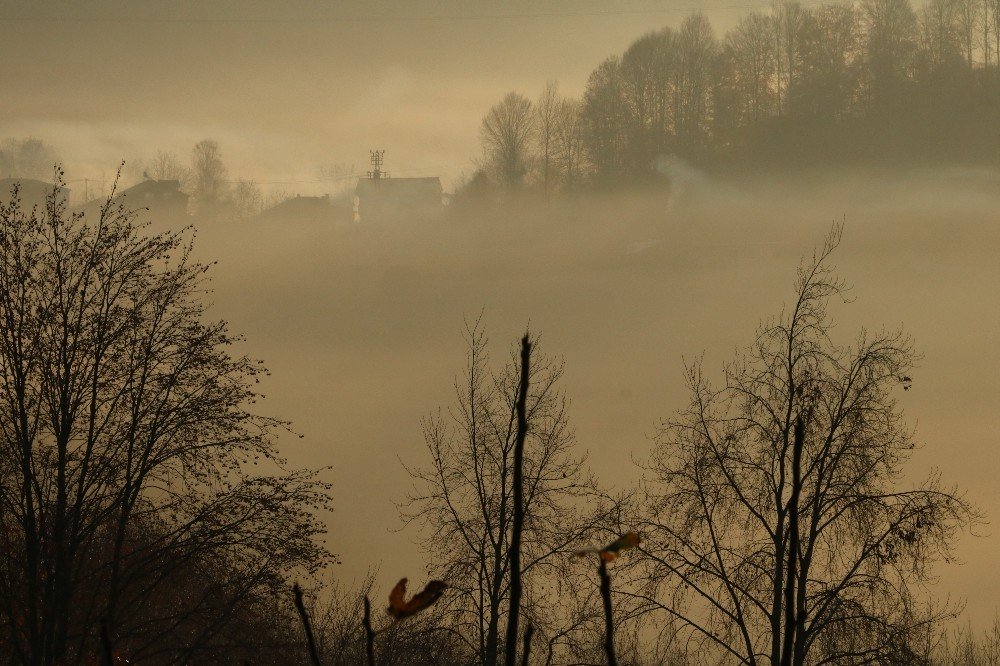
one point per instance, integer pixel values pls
(829, 63)
(890, 41)
(547, 122)
(648, 75)
(26, 158)
(939, 33)
(166, 166)
(603, 113)
(962, 647)
(507, 132)
(776, 531)
(970, 15)
(247, 199)
(991, 19)
(208, 176)
(127, 495)
(464, 499)
(517, 518)
(788, 18)
(986, 24)
(751, 44)
(569, 142)
(696, 50)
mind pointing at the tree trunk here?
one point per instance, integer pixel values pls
(510, 648)
(787, 656)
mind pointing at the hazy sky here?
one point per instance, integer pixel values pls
(289, 87)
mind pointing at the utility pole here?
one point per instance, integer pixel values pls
(376, 173)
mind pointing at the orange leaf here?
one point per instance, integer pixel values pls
(611, 552)
(624, 542)
(400, 608)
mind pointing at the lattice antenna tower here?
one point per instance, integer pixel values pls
(377, 157)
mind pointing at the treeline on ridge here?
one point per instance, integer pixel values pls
(872, 82)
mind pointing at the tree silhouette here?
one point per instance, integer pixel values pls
(776, 530)
(465, 498)
(208, 176)
(507, 132)
(127, 496)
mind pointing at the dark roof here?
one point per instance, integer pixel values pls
(163, 190)
(299, 207)
(160, 197)
(150, 185)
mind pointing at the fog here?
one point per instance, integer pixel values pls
(362, 326)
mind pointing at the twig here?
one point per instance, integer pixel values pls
(510, 647)
(313, 654)
(528, 633)
(609, 627)
(366, 621)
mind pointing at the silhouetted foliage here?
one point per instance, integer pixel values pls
(465, 500)
(127, 440)
(840, 83)
(775, 528)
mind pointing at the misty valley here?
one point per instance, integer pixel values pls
(557, 333)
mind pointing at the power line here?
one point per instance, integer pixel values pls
(293, 181)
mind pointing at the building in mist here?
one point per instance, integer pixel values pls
(313, 209)
(162, 196)
(162, 199)
(377, 199)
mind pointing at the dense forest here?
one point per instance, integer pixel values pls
(873, 82)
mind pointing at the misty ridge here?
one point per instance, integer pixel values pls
(878, 83)
(801, 86)
(641, 389)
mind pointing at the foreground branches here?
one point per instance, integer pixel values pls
(465, 500)
(778, 530)
(125, 441)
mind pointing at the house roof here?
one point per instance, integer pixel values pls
(299, 207)
(158, 187)
(161, 197)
